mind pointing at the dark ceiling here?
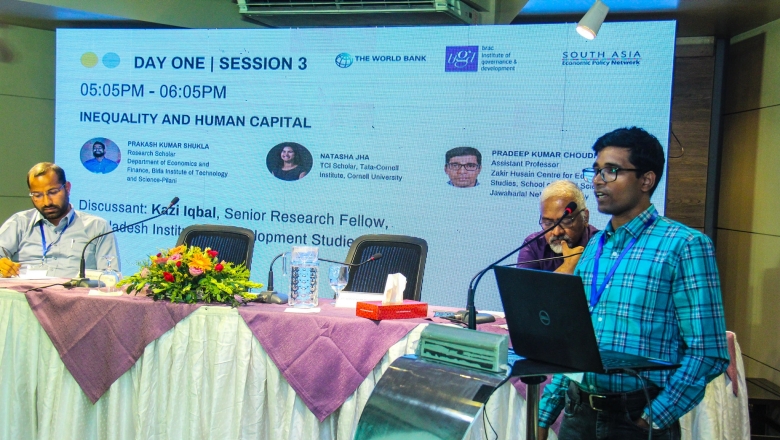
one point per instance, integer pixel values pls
(720, 18)
(695, 18)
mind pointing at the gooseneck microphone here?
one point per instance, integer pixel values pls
(270, 296)
(559, 257)
(471, 310)
(374, 257)
(82, 280)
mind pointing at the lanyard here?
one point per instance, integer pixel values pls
(45, 248)
(595, 293)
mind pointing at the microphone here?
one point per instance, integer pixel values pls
(471, 310)
(270, 296)
(559, 257)
(567, 211)
(461, 316)
(374, 257)
(82, 280)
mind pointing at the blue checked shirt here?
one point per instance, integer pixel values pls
(663, 301)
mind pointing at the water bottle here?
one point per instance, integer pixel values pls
(304, 277)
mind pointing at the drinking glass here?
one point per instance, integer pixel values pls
(338, 275)
(109, 277)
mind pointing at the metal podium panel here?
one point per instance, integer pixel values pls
(422, 400)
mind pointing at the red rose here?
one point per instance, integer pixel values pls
(168, 277)
(213, 254)
(178, 264)
(219, 267)
(159, 255)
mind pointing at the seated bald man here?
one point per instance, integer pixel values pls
(53, 234)
(568, 238)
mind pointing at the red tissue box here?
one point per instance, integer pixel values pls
(376, 311)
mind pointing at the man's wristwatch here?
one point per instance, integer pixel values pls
(646, 418)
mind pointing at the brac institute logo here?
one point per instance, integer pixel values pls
(90, 60)
(344, 60)
(462, 59)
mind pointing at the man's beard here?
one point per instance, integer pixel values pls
(558, 247)
(98, 153)
(53, 214)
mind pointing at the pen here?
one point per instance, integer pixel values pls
(7, 255)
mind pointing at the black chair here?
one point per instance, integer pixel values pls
(400, 254)
(233, 243)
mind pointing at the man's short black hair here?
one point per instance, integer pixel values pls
(463, 151)
(645, 152)
(44, 167)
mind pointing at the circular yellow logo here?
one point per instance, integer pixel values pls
(89, 59)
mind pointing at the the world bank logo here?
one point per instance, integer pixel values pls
(344, 60)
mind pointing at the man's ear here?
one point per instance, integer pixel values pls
(586, 216)
(67, 188)
(648, 181)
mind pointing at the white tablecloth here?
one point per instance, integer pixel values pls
(208, 378)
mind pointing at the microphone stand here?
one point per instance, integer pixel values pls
(270, 296)
(374, 257)
(471, 309)
(542, 259)
(82, 280)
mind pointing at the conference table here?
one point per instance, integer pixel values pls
(74, 365)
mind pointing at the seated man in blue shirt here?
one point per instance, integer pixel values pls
(559, 248)
(53, 233)
(654, 291)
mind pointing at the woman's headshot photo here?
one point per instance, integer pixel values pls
(100, 155)
(289, 161)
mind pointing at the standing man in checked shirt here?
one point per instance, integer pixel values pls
(653, 288)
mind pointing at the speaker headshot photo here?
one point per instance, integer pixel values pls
(289, 161)
(100, 155)
(463, 165)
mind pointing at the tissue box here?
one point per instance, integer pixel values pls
(376, 311)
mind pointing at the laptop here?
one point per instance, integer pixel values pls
(549, 322)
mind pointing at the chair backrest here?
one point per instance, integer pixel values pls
(400, 254)
(233, 243)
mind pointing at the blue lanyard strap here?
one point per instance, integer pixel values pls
(45, 248)
(595, 293)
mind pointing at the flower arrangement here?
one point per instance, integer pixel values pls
(189, 274)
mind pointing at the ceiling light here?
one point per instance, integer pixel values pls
(589, 26)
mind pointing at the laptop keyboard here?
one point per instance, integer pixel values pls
(611, 362)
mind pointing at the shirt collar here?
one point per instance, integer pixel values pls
(636, 225)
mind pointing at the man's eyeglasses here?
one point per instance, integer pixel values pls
(51, 193)
(454, 166)
(567, 222)
(608, 174)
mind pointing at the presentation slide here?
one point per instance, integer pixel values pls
(314, 137)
